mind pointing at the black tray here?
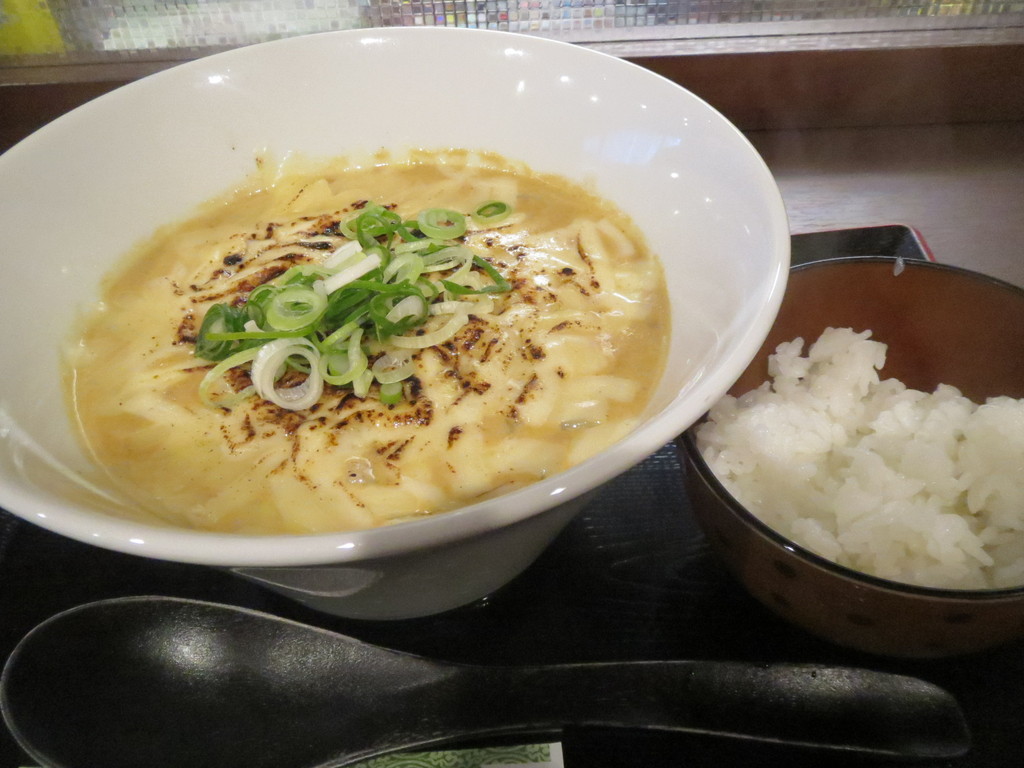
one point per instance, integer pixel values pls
(629, 578)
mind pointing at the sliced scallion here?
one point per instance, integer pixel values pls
(220, 319)
(391, 392)
(442, 223)
(215, 374)
(342, 367)
(346, 276)
(295, 307)
(499, 284)
(393, 367)
(492, 212)
(432, 338)
(270, 361)
(368, 300)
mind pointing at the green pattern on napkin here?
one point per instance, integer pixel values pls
(532, 755)
(519, 756)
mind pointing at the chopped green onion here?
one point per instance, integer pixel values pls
(342, 334)
(256, 304)
(447, 258)
(220, 319)
(302, 274)
(492, 212)
(346, 276)
(296, 307)
(450, 307)
(455, 324)
(215, 374)
(257, 335)
(386, 297)
(361, 385)
(418, 245)
(393, 366)
(270, 361)
(442, 223)
(342, 368)
(374, 223)
(369, 299)
(408, 232)
(343, 254)
(500, 284)
(391, 393)
(428, 289)
(403, 268)
(413, 305)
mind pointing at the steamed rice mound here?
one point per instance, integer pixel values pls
(921, 488)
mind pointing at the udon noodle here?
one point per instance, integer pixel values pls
(539, 378)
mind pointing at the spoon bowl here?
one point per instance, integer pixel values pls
(169, 682)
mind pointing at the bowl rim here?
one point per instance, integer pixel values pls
(910, 263)
(472, 520)
(686, 443)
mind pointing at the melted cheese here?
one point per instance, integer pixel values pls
(539, 380)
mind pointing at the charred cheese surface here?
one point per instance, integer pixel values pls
(539, 379)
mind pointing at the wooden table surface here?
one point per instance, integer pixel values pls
(960, 186)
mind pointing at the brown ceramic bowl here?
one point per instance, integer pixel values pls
(943, 325)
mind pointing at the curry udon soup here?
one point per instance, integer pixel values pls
(480, 327)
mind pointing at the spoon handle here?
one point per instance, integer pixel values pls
(831, 707)
(165, 682)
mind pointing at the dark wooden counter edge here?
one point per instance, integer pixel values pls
(856, 88)
(757, 91)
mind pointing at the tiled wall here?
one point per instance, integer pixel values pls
(70, 31)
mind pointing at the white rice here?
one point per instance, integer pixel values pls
(921, 488)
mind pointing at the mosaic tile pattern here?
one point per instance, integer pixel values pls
(71, 30)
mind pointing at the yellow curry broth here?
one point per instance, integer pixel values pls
(557, 370)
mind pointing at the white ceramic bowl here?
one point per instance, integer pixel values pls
(80, 192)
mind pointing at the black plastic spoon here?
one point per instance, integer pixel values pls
(159, 682)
